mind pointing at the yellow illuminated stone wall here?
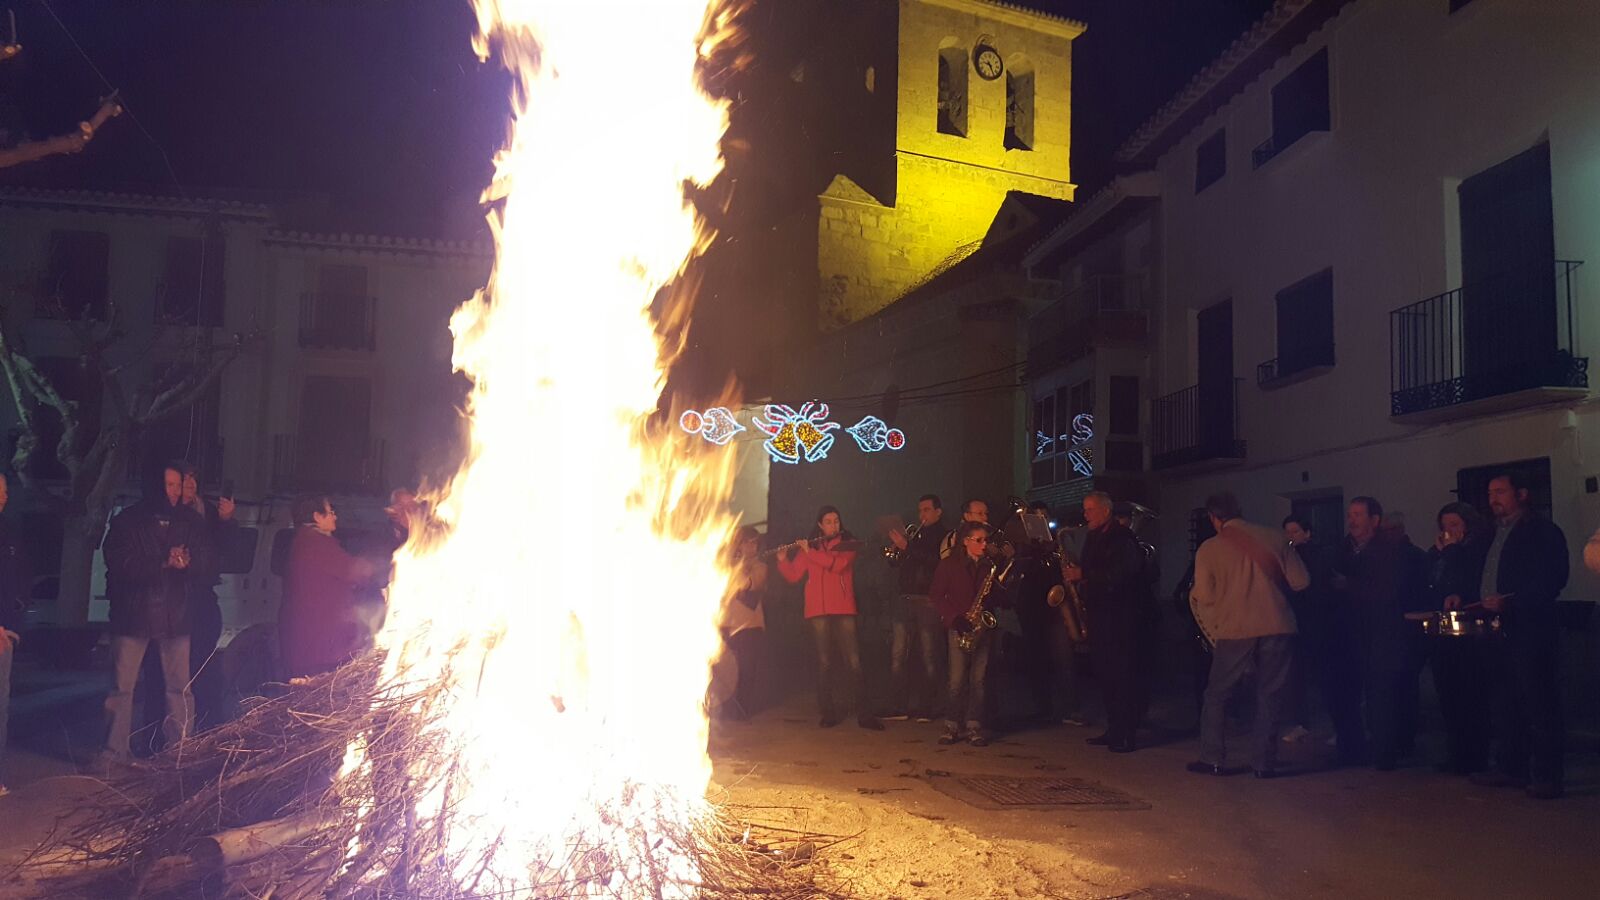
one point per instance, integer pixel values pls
(948, 187)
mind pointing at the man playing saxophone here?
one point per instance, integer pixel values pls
(964, 588)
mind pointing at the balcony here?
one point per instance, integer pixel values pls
(1196, 429)
(334, 470)
(1504, 343)
(1103, 309)
(333, 322)
(1282, 371)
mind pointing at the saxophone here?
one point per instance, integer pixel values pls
(979, 618)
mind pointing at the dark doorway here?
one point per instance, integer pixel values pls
(1216, 396)
(1323, 515)
(1472, 485)
(334, 446)
(1508, 271)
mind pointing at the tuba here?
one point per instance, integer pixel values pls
(979, 618)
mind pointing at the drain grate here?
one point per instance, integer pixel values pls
(1014, 792)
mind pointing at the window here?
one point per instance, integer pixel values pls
(1305, 327)
(77, 275)
(1124, 417)
(953, 91)
(193, 434)
(1077, 433)
(1299, 107)
(192, 289)
(1019, 108)
(340, 314)
(1210, 161)
(333, 448)
(1043, 441)
(1472, 485)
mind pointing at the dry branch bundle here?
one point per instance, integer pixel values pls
(269, 806)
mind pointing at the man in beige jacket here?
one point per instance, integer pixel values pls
(1242, 579)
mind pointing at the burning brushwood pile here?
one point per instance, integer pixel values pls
(257, 809)
(532, 721)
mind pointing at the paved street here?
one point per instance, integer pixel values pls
(1340, 833)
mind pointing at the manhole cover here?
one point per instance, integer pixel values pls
(1013, 792)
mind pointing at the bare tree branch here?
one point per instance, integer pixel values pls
(183, 394)
(74, 142)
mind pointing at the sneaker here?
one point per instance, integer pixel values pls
(948, 738)
(1099, 740)
(1075, 722)
(870, 723)
(924, 719)
(828, 722)
(978, 739)
(894, 717)
(1296, 734)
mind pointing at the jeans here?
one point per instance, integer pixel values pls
(7, 655)
(749, 647)
(1231, 662)
(917, 622)
(838, 665)
(968, 673)
(127, 655)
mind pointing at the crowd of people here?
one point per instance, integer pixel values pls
(163, 560)
(1280, 611)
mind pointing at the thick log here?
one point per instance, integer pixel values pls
(241, 845)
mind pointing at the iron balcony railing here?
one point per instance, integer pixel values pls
(1196, 424)
(333, 322)
(1109, 306)
(1281, 369)
(1511, 333)
(333, 472)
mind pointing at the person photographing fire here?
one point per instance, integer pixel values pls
(965, 583)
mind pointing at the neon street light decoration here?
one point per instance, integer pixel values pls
(1079, 453)
(716, 424)
(873, 434)
(797, 436)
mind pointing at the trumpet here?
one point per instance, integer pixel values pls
(893, 553)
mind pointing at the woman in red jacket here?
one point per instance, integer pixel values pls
(317, 626)
(827, 563)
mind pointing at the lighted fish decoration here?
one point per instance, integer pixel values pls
(873, 434)
(716, 424)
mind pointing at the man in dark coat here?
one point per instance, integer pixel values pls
(1375, 578)
(916, 621)
(1120, 607)
(152, 551)
(1524, 572)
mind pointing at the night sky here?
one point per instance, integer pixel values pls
(379, 113)
(383, 105)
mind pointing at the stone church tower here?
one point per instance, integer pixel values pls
(982, 108)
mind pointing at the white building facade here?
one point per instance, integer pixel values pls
(1380, 250)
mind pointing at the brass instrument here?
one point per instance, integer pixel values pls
(892, 553)
(979, 618)
(1070, 598)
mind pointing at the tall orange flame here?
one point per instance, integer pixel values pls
(571, 606)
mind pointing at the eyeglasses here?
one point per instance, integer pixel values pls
(977, 540)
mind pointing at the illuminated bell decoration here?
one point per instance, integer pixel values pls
(796, 436)
(716, 424)
(873, 434)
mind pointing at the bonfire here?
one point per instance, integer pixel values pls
(531, 722)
